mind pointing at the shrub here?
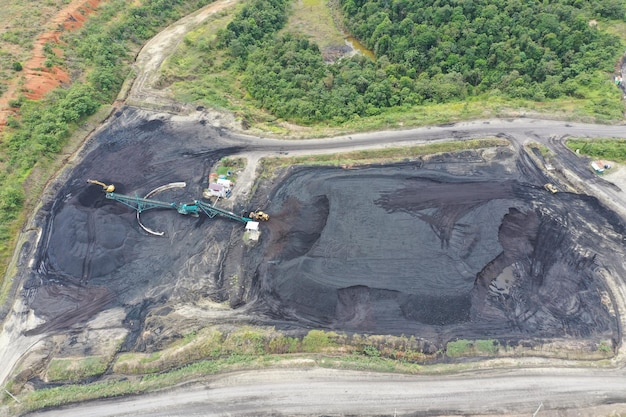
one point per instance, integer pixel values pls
(458, 348)
(317, 341)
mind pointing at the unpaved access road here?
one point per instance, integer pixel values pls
(520, 131)
(149, 60)
(327, 392)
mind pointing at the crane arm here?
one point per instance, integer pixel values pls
(105, 188)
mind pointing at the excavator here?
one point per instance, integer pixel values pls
(105, 188)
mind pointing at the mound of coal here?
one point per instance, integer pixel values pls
(462, 245)
(436, 252)
(94, 254)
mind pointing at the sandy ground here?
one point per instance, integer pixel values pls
(616, 175)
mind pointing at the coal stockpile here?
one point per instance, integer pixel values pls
(93, 253)
(443, 248)
(468, 244)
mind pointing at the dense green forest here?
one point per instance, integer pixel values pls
(427, 52)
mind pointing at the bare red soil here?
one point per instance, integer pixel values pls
(35, 81)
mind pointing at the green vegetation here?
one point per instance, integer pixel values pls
(74, 393)
(21, 23)
(461, 347)
(543, 150)
(524, 49)
(100, 51)
(232, 165)
(605, 347)
(316, 20)
(254, 25)
(604, 148)
(211, 343)
(209, 351)
(317, 341)
(548, 56)
(377, 156)
(76, 369)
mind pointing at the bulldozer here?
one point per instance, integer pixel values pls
(551, 188)
(105, 188)
(259, 216)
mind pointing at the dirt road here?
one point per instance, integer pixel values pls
(318, 391)
(520, 131)
(155, 51)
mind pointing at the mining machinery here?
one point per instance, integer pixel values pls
(194, 208)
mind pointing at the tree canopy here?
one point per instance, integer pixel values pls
(527, 49)
(427, 52)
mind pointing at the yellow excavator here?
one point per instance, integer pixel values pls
(259, 215)
(105, 188)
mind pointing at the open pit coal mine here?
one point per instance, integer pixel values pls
(462, 245)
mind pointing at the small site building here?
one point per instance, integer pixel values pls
(217, 190)
(226, 183)
(253, 230)
(600, 166)
(218, 187)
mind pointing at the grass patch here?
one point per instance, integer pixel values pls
(212, 343)
(195, 71)
(385, 155)
(602, 148)
(369, 363)
(194, 346)
(314, 19)
(582, 110)
(318, 341)
(54, 397)
(462, 347)
(212, 351)
(74, 393)
(76, 369)
(230, 166)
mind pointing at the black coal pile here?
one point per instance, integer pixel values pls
(94, 255)
(438, 248)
